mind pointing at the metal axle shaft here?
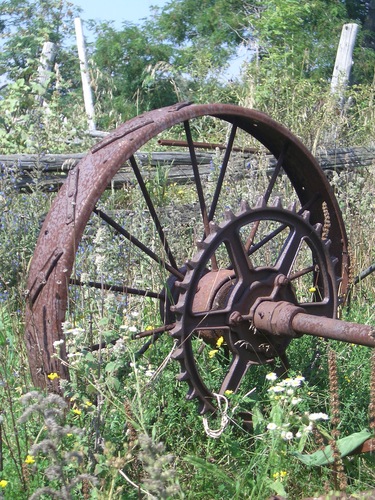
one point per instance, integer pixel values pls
(284, 318)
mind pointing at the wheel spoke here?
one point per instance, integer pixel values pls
(223, 170)
(235, 374)
(239, 256)
(316, 308)
(155, 332)
(208, 320)
(276, 173)
(152, 211)
(121, 230)
(300, 273)
(117, 288)
(289, 253)
(267, 194)
(198, 185)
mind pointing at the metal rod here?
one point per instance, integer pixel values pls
(199, 188)
(335, 329)
(223, 170)
(137, 243)
(116, 288)
(284, 318)
(203, 145)
(152, 211)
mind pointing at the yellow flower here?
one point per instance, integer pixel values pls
(29, 459)
(52, 376)
(149, 328)
(3, 483)
(77, 411)
(312, 289)
(88, 403)
(280, 475)
(212, 353)
(219, 342)
(228, 392)
(69, 434)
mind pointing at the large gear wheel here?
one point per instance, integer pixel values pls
(265, 253)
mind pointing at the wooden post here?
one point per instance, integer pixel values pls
(44, 69)
(344, 58)
(46, 62)
(85, 76)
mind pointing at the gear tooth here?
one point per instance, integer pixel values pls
(229, 215)
(182, 285)
(190, 265)
(318, 228)
(334, 261)
(306, 215)
(192, 393)
(327, 243)
(261, 202)
(178, 308)
(176, 333)
(201, 244)
(244, 206)
(204, 408)
(213, 227)
(292, 207)
(183, 376)
(178, 354)
(277, 202)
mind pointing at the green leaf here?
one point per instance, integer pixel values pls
(278, 488)
(345, 446)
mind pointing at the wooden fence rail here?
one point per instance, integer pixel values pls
(49, 171)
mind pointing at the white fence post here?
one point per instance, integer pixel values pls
(344, 58)
(46, 62)
(85, 76)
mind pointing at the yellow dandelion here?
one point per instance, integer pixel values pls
(3, 483)
(88, 403)
(69, 434)
(77, 411)
(280, 475)
(149, 327)
(52, 376)
(228, 392)
(312, 289)
(29, 459)
(219, 341)
(212, 353)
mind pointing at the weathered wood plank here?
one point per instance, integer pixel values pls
(49, 171)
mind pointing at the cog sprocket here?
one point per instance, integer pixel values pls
(265, 253)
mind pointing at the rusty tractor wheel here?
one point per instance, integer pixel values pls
(151, 236)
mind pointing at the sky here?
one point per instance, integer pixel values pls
(134, 11)
(117, 10)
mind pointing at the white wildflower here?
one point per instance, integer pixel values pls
(57, 343)
(276, 388)
(318, 416)
(287, 436)
(295, 401)
(271, 376)
(271, 426)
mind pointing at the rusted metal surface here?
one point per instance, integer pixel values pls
(250, 287)
(52, 264)
(284, 318)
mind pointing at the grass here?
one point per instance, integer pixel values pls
(128, 431)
